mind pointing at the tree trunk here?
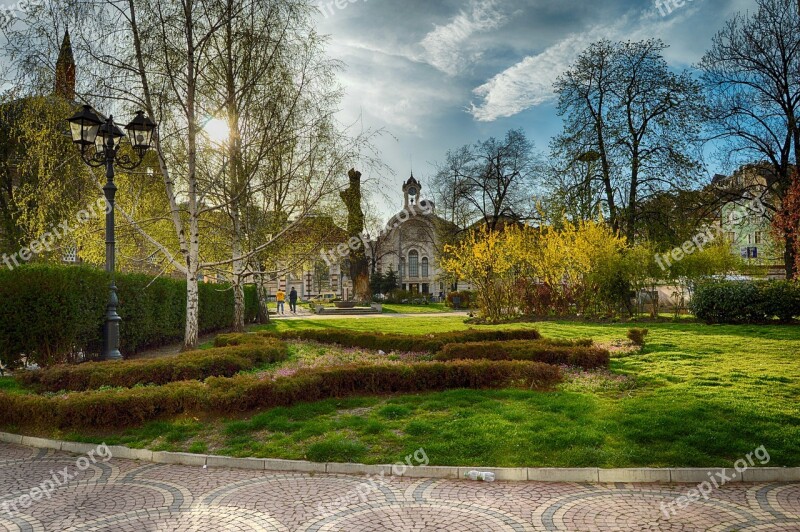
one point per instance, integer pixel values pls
(238, 307)
(790, 256)
(359, 265)
(238, 274)
(192, 332)
(263, 307)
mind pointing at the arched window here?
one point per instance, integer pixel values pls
(413, 264)
(424, 266)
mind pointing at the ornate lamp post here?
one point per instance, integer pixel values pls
(99, 140)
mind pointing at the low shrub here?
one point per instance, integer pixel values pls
(546, 351)
(429, 343)
(637, 336)
(466, 299)
(238, 355)
(746, 301)
(133, 406)
(780, 299)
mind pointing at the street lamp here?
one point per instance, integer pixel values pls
(99, 140)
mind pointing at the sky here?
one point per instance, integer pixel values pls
(438, 74)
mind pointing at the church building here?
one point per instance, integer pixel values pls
(412, 243)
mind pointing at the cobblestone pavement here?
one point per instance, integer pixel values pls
(123, 495)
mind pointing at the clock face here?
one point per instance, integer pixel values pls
(412, 191)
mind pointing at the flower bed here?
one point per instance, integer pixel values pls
(240, 354)
(547, 351)
(398, 342)
(221, 395)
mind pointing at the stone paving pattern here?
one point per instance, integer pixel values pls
(124, 495)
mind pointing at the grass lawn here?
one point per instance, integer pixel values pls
(696, 395)
(10, 385)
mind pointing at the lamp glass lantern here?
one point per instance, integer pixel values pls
(84, 127)
(140, 133)
(107, 131)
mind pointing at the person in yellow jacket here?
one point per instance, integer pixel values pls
(281, 298)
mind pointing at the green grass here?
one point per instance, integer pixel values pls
(431, 308)
(696, 395)
(10, 385)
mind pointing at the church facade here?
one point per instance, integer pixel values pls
(412, 244)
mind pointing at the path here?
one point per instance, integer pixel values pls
(128, 496)
(310, 316)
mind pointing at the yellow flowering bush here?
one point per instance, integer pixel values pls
(526, 270)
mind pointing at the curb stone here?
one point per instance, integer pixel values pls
(695, 475)
(643, 475)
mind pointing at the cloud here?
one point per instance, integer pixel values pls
(396, 98)
(452, 47)
(530, 82)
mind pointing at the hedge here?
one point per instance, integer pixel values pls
(133, 406)
(54, 314)
(746, 301)
(429, 343)
(194, 365)
(546, 351)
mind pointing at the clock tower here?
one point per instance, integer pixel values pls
(411, 190)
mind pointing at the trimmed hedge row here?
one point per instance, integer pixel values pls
(194, 365)
(54, 313)
(128, 407)
(546, 351)
(430, 343)
(746, 301)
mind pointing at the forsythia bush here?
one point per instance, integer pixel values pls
(578, 268)
(518, 268)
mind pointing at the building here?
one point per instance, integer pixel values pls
(412, 243)
(744, 218)
(301, 264)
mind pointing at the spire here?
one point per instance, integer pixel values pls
(65, 70)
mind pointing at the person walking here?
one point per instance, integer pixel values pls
(293, 301)
(280, 297)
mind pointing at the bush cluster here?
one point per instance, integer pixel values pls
(746, 301)
(133, 406)
(430, 343)
(194, 365)
(557, 352)
(637, 336)
(55, 314)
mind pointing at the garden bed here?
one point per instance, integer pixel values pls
(694, 396)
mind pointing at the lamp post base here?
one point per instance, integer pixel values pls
(111, 328)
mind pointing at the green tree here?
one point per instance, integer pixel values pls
(43, 182)
(389, 282)
(376, 282)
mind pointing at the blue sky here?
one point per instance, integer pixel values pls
(440, 74)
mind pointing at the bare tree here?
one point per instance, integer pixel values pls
(491, 181)
(752, 77)
(621, 102)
